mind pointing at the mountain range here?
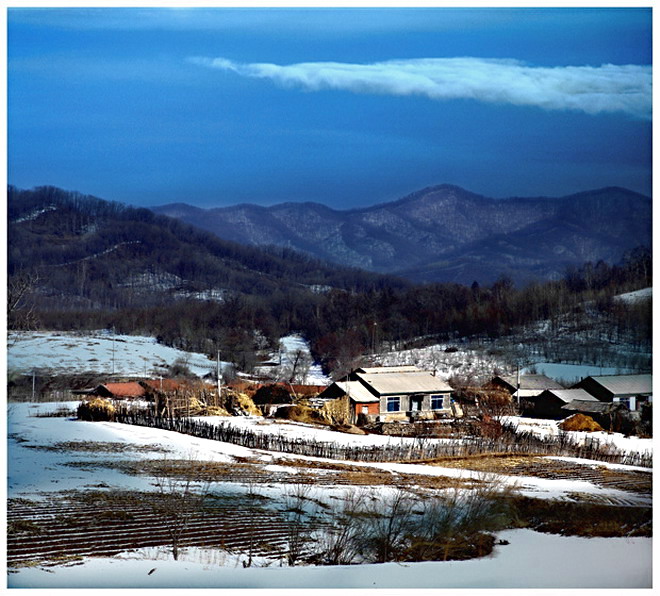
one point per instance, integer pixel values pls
(445, 233)
(89, 254)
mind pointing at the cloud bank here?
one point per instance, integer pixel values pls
(593, 90)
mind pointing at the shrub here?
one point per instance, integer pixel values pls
(272, 394)
(96, 410)
(580, 422)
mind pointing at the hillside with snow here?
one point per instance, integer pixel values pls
(97, 351)
(102, 352)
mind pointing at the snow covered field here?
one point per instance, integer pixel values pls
(97, 351)
(637, 296)
(530, 560)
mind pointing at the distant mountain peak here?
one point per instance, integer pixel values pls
(447, 233)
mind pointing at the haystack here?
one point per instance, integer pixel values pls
(302, 414)
(580, 422)
(96, 409)
(246, 404)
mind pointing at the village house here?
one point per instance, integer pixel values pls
(123, 390)
(133, 393)
(530, 385)
(392, 393)
(551, 402)
(629, 390)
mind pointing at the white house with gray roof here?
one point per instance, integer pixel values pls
(392, 393)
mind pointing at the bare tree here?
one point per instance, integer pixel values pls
(20, 312)
(295, 368)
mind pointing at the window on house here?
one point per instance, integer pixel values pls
(437, 402)
(394, 404)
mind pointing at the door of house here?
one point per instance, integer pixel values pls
(416, 403)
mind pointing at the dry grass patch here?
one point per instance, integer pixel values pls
(486, 462)
(351, 474)
(100, 447)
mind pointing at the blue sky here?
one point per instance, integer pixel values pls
(348, 107)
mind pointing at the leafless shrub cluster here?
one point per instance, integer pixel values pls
(372, 528)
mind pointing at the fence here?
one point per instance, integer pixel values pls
(420, 449)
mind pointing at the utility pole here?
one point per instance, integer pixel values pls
(218, 375)
(113, 350)
(518, 387)
(34, 374)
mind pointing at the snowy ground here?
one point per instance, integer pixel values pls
(292, 347)
(465, 362)
(530, 560)
(637, 296)
(299, 430)
(97, 351)
(542, 428)
(126, 355)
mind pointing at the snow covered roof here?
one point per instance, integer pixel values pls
(394, 383)
(626, 384)
(569, 395)
(357, 391)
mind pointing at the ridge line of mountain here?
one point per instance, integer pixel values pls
(405, 199)
(446, 233)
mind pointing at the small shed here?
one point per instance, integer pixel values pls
(609, 415)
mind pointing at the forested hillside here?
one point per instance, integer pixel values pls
(445, 233)
(78, 262)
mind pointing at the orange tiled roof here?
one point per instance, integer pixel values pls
(128, 389)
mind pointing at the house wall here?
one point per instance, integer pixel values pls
(545, 406)
(372, 409)
(405, 408)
